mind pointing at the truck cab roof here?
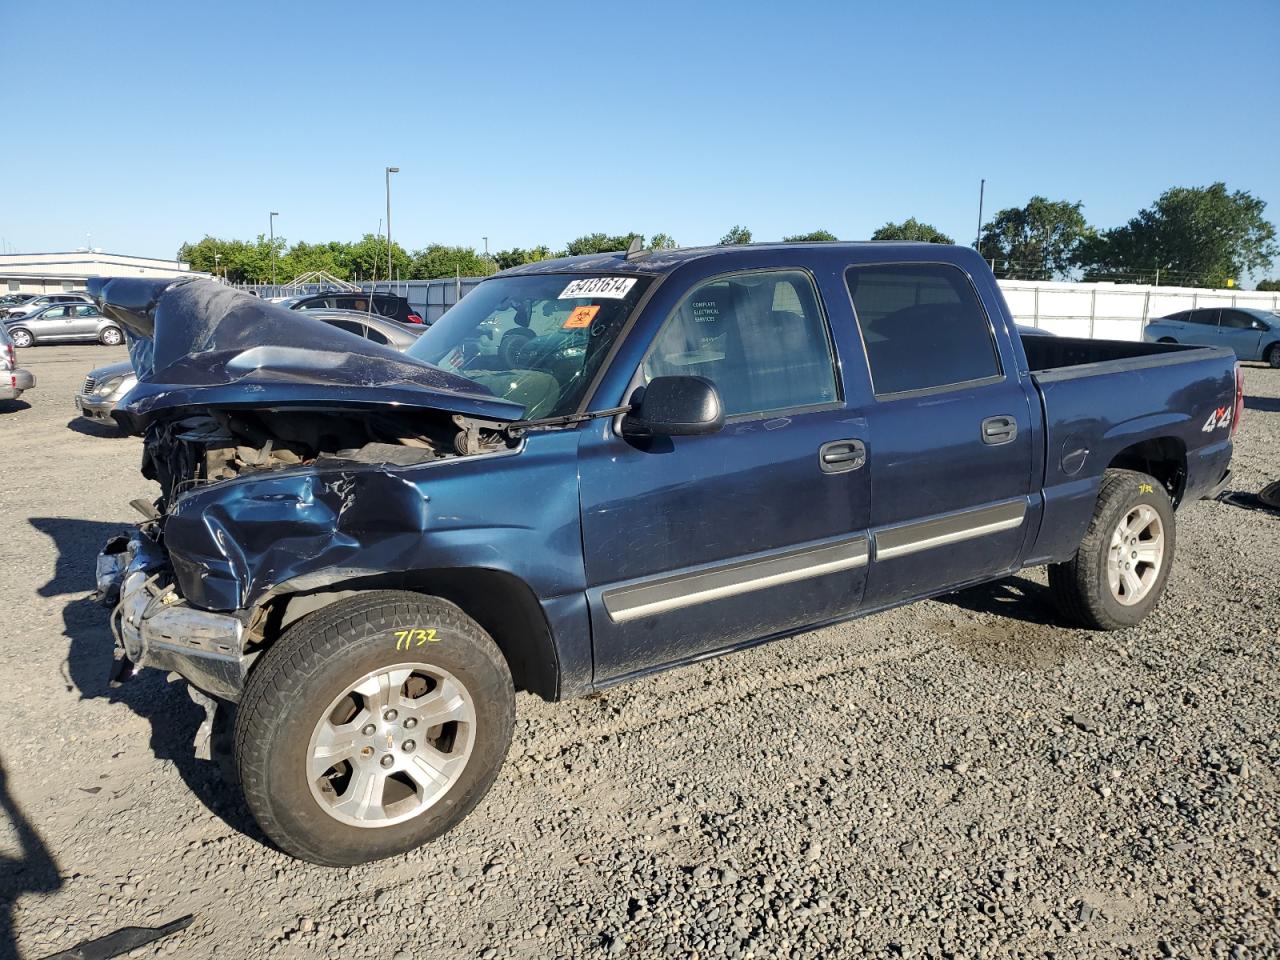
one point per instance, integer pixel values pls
(659, 262)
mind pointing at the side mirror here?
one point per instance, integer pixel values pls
(674, 407)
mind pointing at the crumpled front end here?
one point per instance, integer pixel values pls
(155, 627)
(280, 445)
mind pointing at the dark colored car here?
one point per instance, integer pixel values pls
(598, 467)
(386, 304)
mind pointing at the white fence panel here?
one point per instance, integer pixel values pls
(1114, 311)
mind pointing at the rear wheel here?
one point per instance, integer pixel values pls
(372, 726)
(22, 338)
(111, 336)
(1121, 566)
(1166, 340)
(1273, 356)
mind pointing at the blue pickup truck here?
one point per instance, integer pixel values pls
(598, 467)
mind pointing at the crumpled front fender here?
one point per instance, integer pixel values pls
(233, 543)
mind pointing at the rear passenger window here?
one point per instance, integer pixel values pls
(759, 337)
(922, 326)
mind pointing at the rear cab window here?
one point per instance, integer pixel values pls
(923, 328)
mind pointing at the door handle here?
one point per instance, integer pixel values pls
(839, 456)
(999, 429)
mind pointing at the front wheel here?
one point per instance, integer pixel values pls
(22, 338)
(111, 337)
(373, 726)
(1119, 571)
(1273, 356)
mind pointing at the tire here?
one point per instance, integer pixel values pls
(22, 338)
(1083, 587)
(281, 724)
(1166, 340)
(111, 337)
(1273, 356)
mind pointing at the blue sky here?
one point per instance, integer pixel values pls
(148, 124)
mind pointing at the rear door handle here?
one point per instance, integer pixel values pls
(999, 429)
(839, 456)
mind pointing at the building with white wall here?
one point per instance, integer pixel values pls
(58, 272)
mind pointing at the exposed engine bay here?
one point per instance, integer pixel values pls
(186, 452)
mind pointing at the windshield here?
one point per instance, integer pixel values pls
(534, 340)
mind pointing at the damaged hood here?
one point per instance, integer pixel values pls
(200, 343)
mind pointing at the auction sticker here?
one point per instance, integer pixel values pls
(581, 317)
(600, 288)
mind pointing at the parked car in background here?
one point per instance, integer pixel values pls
(13, 300)
(371, 326)
(386, 304)
(63, 322)
(13, 379)
(31, 305)
(103, 388)
(1253, 334)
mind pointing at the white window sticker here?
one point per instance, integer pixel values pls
(599, 288)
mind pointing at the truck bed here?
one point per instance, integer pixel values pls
(1045, 354)
(1103, 397)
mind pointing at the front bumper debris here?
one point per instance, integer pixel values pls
(154, 627)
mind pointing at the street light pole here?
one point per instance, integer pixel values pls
(272, 220)
(390, 171)
(982, 189)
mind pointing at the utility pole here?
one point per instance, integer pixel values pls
(390, 171)
(982, 189)
(272, 221)
(486, 247)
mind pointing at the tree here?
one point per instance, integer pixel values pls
(1269, 285)
(518, 256)
(736, 235)
(1199, 236)
(437, 260)
(333, 258)
(663, 241)
(367, 259)
(601, 243)
(815, 236)
(1037, 241)
(911, 229)
(238, 261)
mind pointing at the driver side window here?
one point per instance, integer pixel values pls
(759, 337)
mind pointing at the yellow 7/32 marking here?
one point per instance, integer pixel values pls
(407, 639)
(1146, 488)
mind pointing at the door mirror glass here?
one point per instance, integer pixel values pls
(674, 407)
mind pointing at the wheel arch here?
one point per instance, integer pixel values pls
(15, 328)
(1164, 458)
(504, 605)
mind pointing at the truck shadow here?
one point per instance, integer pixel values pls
(1015, 597)
(174, 718)
(92, 428)
(1265, 404)
(33, 870)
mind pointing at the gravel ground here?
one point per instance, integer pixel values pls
(960, 778)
